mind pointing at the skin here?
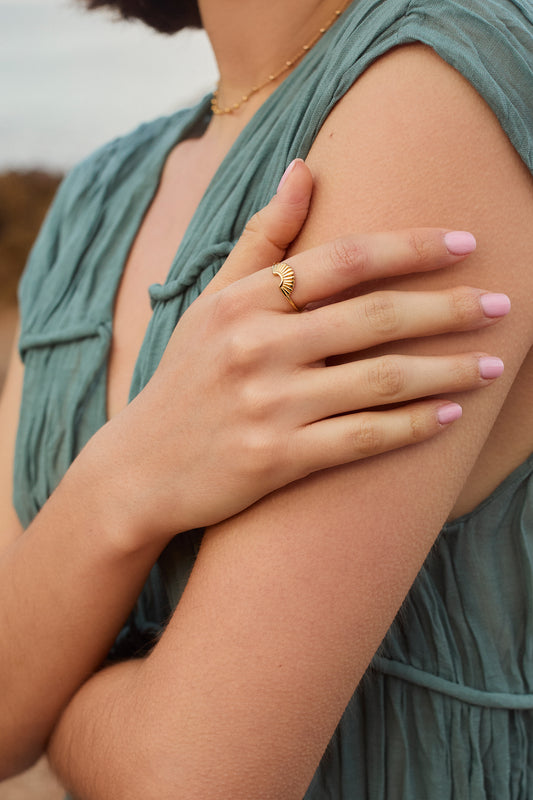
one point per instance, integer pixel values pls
(133, 731)
(297, 656)
(123, 498)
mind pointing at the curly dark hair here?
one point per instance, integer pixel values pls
(166, 16)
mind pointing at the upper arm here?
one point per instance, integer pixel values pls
(288, 602)
(10, 526)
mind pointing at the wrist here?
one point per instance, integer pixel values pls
(106, 480)
(85, 735)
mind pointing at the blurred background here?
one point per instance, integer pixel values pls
(69, 81)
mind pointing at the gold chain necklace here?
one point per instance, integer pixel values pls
(216, 109)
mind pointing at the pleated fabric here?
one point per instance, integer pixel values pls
(446, 709)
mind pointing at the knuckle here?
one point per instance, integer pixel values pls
(243, 350)
(466, 371)
(259, 404)
(421, 247)
(229, 305)
(348, 256)
(259, 452)
(380, 313)
(255, 224)
(366, 438)
(421, 425)
(464, 305)
(386, 377)
(267, 226)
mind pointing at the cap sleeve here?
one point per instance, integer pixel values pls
(490, 42)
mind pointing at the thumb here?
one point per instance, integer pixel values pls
(270, 231)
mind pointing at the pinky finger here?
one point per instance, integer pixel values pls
(352, 437)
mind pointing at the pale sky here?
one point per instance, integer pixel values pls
(70, 80)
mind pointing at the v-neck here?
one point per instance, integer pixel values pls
(193, 125)
(199, 120)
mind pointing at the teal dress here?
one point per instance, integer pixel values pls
(446, 708)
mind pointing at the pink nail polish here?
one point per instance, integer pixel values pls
(459, 243)
(490, 367)
(449, 413)
(495, 305)
(287, 173)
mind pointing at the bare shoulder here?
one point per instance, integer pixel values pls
(413, 139)
(413, 143)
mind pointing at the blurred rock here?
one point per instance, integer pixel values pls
(24, 200)
(36, 784)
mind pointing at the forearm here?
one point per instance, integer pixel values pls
(118, 739)
(175, 460)
(286, 605)
(67, 585)
(92, 748)
(283, 611)
(113, 743)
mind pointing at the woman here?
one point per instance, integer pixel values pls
(279, 620)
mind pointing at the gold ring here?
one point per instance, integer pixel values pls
(286, 277)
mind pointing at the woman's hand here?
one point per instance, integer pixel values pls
(244, 402)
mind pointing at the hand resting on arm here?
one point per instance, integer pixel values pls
(288, 602)
(257, 414)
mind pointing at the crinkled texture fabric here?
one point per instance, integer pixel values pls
(446, 709)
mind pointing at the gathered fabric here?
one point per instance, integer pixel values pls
(446, 708)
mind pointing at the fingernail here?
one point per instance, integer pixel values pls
(495, 305)
(287, 173)
(490, 367)
(449, 413)
(459, 243)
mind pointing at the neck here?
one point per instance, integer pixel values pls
(254, 39)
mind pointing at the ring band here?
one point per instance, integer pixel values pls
(287, 279)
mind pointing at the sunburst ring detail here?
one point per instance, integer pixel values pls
(287, 280)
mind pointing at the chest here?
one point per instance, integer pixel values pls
(185, 178)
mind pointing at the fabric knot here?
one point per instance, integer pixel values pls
(199, 272)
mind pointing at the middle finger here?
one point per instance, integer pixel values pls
(379, 317)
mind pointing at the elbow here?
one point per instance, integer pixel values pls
(14, 760)
(23, 738)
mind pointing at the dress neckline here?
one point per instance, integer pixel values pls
(193, 125)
